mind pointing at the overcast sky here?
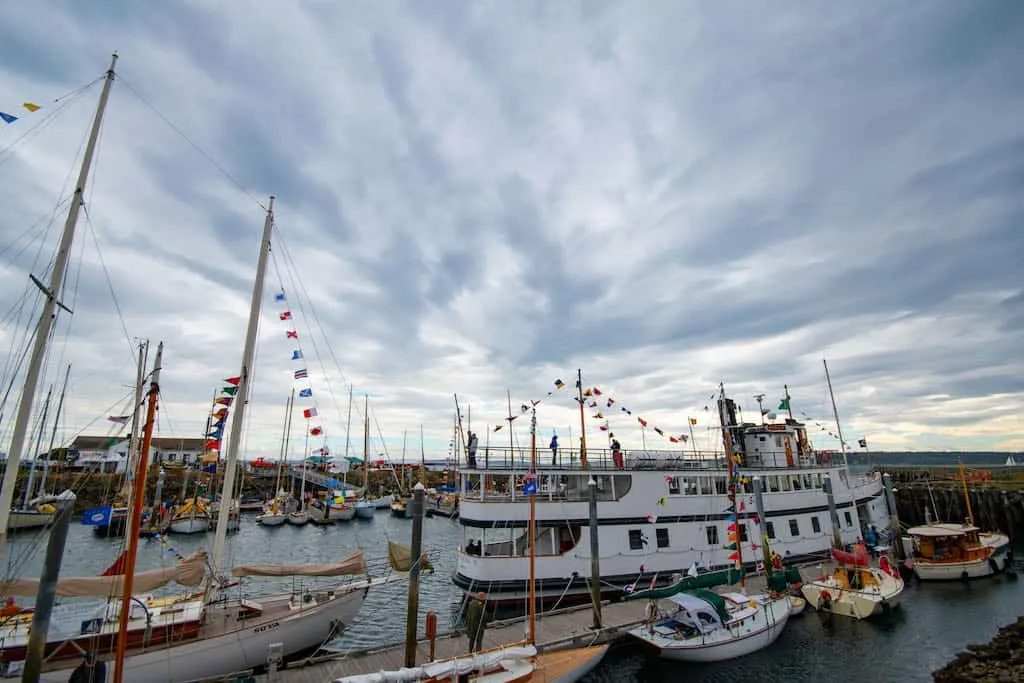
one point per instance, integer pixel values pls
(483, 196)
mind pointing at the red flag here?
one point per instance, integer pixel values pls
(212, 445)
(734, 556)
(309, 412)
(731, 527)
(292, 334)
(224, 400)
(287, 315)
(233, 380)
(743, 506)
(643, 422)
(604, 428)
(118, 566)
(673, 439)
(316, 431)
(597, 392)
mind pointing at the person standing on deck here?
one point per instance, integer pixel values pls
(554, 449)
(471, 450)
(475, 625)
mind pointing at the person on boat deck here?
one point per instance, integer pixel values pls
(554, 449)
(870, 538)
(91, 670)
(617, 454)
(475, 624)
(471, 449)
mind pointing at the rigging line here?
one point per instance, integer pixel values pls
(14, 242)
(292, 272)
(149, 105)
(106, 276)
(316, 318)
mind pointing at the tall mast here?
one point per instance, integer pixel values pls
(835, 414)
(532, 482)
(511, 439)
(366, 440)
(967, 495)
(348, 426)
(132, 534)
(140, 387)
(56, 423)
(286, 444)
(733, 483)
(583, 422)
(238, 420)
(35, 454)
(47, 317)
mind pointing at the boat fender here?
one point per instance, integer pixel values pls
(993, 565)
(886, 607)
(963, 575)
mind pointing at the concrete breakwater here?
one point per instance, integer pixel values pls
(1002, 659)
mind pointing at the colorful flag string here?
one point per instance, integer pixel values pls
(9, 118)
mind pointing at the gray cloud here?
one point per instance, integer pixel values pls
(489, 196)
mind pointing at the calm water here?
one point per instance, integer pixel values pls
(933, 624)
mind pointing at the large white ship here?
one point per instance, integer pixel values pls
(659, 512)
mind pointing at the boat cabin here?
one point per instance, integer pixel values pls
(948, 543)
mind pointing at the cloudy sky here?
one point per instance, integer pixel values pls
(481, 196)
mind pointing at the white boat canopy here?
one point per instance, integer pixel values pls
(941, 530)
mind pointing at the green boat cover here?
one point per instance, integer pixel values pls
(722, 577)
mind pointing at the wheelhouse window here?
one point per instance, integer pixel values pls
(712, 534)
(743, 532)
(794, 527)
(662, 536)
(673, 486)
(636, 539)
(849, 519)
(769, 528)
(815, 524)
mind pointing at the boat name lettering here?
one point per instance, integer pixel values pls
(266, 627)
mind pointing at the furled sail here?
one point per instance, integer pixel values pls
(353, 564)
(188, 572)
(722, 577)
(400, 558)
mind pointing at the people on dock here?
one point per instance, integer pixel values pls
(91, 670)
(475, 624)
(471, 449)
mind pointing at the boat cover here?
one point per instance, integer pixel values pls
(723, 577)
(188, 572)
(448, 667)
(860, 559)
(353, 564)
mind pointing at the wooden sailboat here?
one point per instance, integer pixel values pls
(274, 510)
(943, 552)
(366, 506)
(216, 634)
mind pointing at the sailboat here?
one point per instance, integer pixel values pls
(705, 626)
(365, 506)
(300, 517)
(274, 510)
(219, 632)
(517, 662)
(956, 551)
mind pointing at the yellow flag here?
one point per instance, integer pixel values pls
(30, 106)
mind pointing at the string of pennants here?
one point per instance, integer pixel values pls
(301, 374)
(9, 118)
(219, 416)
(595, 399)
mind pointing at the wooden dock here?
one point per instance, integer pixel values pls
(561, 629)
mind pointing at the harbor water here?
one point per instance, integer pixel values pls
(934, 622)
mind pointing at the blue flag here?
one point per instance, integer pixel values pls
(97, 516)
(530, 487)
(305, 393)
(279, 296)
(296, 355)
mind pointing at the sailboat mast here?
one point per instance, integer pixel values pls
(47, 317)
(245, 377)
(733, 481)
(132, 535)
(56, 423)
(967, 496)
(583, 422)
(35, 451)
(348, 423)
(532, 482)
(366, 443)
(835, 414)
(423, 460)
(286, 445)
(140, 387)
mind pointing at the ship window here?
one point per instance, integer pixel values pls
(849, 520)
(743, 533)
(720, 485)
(794, 527)
(762, 438)
(673, 486)
(769, 528)
(171, 457)
(712, 532)
(636, 539)
(662, 535)
(773, 484)
(785, 482)
(778, 442)
(796, 483)
(815, 524)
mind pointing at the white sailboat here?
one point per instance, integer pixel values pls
(212, 635)
(366, 507)
(275, 510)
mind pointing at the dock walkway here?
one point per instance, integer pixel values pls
(565, 628)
